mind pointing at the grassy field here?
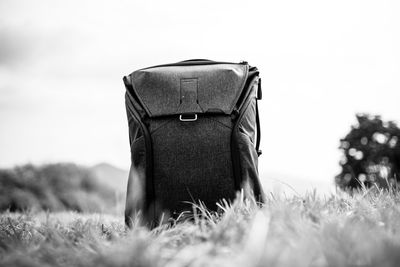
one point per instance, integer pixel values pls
(340, 230)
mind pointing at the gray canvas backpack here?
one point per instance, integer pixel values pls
(194, 135)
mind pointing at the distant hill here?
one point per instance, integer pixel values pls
(111, 176)
(55, 187)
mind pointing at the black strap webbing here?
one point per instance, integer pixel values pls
(259, 96)
(259, 152)
(259, 91)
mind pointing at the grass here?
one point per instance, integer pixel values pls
(362, 229)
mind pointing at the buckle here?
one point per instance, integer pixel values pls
(188, 117)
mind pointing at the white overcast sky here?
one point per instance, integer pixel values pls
(62, 62)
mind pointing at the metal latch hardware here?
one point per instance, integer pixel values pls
(188, 117)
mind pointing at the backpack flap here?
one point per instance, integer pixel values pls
(189, 89)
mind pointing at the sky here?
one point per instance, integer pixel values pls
(321, 62)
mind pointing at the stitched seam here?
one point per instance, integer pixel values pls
(161, 125)
(220, 123)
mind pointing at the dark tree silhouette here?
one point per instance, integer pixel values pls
(371, 153)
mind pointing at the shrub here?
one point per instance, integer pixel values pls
(53, 187)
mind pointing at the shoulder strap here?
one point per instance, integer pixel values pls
(259, 97)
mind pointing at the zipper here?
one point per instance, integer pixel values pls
(237, 168)
(193, 62)
(149, 184)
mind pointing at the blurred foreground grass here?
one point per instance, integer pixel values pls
(340, 230)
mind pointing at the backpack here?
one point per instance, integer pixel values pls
(194, 135)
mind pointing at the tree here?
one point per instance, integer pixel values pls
(371, 154)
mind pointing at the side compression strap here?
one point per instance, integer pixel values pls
(259, 152)
(259, 97)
